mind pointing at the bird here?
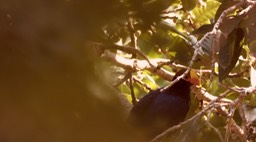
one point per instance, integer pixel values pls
(165, 107)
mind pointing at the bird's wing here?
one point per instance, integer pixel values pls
(145, 102)
(166, 111)
(138, 112)
(166, 104)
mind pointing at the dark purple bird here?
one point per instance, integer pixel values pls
(159, 110)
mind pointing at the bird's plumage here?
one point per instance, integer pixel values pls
(161, 109)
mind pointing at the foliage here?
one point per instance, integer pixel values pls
(56, 56)
(214, 37)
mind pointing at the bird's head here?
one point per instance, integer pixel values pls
(190, 77)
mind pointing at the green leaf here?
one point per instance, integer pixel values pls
(183, 53)
(253, 100)
(226, 50)
(203, 29)
(124, 89)
(204, 14)
(241, 81)
(188, 5)
(225, 4)
(230, 52)
(230, 23)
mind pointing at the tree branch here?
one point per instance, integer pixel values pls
(199, 114)
(135, 64)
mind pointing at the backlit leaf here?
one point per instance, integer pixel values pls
(204, 14)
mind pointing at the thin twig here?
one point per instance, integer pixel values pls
(234, 127)
(225, 13)
(214, 128)
(230, 75)
(202, 94)
(125, 78)
(134, 101)
(142, 84)
(196, 52)
(244, 120)
(134, 64)
(132, 35)
(124, 48)
(229, 124)
(199, 114)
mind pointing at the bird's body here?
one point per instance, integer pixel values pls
(161, 109)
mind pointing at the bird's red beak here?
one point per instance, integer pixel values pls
(194, 79)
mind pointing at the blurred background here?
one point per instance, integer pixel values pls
(49, 91)
(54, 87)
